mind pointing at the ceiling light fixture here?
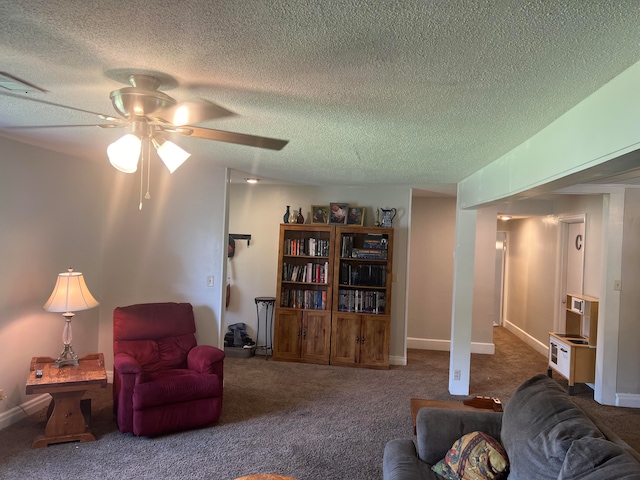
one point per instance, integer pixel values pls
(252, 180)
(171, 154)
(505, 217)
(126, 152)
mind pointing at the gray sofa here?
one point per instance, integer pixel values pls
(544, 433)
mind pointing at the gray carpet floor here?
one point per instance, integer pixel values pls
(310, 422)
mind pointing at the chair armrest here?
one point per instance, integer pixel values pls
(400, 462)
(438, 428)
(127, 373)
(126, 364)
(206, 359)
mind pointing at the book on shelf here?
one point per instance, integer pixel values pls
(365, 275)
(303, 299)
(308, 273)
(347, 246)
(370, 254)
(311, 247)
(361, 301)
(375, 241)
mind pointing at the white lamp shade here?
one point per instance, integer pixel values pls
(70, 294)
(125, 152)
(171, 154)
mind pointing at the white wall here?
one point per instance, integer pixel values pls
(628, 379)
(258, 210)
(431, 272)
(429, 303)
(164, 252)
(50, 220)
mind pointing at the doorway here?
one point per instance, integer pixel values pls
(571, 247)
(500, 280)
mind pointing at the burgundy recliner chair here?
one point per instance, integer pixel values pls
(162, 380)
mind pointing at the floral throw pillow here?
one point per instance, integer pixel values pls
(475, 456)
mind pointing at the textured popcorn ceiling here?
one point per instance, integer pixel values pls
(406, 92)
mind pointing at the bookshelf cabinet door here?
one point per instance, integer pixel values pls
(374, 345)
(345, 339)
(316, 339)
(287, 334)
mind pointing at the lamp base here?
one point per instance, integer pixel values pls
(67, 357)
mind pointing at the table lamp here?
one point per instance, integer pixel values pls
(70, 294)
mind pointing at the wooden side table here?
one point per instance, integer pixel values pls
(477, 403)
(67, 385)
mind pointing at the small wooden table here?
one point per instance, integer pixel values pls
(67, 385)
(418, 403)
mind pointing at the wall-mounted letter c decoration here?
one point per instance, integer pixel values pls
(578, 242)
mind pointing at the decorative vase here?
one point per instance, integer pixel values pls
(293, 218)
(300, 218)
(287, 214)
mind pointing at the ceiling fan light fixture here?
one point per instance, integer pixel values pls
(171, 154)
(181, 115)
(124, 153)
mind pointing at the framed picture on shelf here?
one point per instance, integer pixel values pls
(338, 213)
(355, 216)
(319, 214)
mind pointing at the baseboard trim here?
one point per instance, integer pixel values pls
(397, 360)
(445, 345)
(538, 346)
(15, 414)
(628, 400)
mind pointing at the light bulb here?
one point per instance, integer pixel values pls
(171, 154)
(125, 152)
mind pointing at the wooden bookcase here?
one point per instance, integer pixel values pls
(302, 320)
(362, 297)
(334, 295)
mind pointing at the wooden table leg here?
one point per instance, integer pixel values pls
(66, 422)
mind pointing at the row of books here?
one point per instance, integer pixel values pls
(361, 301)
(374, 246)
(369, 275)
(375, 241)
(307, 299)
(312, 247)
(370, 254)
(309, 273)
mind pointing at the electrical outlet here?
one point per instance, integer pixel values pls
(210, 281)
(456, 374)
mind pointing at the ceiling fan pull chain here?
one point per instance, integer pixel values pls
(141, 175)
(148, 195)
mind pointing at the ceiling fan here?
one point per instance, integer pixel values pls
(151, 116)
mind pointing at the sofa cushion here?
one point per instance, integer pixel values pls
(400, 462)
(474, 456)
(539, 424)
(591, 458)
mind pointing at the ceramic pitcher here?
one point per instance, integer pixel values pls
(387, 217)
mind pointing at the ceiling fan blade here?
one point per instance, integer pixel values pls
(45, 102)
(31, 127)
(229, 137)
(195, 110)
